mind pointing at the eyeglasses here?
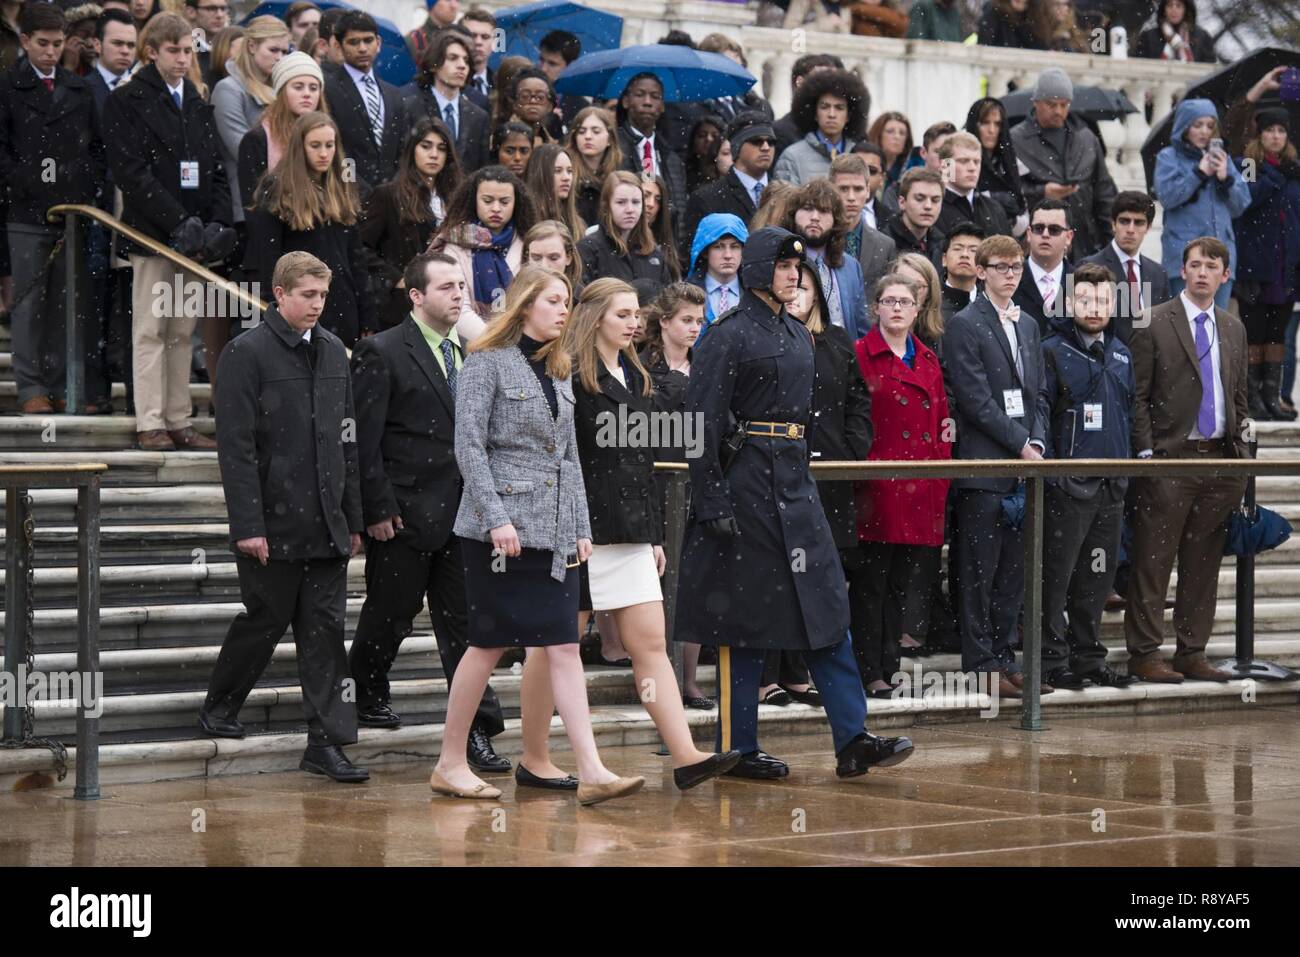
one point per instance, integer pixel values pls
(1040, 229)
(761, 141)
(214, 8)
(532, 97)
(1006, 269)
(874, 170)
(892, 303)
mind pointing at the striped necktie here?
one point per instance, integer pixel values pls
(373, 109)
(449, 360)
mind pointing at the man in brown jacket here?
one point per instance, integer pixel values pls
(1190, 371)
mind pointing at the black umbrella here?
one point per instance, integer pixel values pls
(1225, 87)
(1093, 103)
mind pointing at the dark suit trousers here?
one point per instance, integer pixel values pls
(1186, 519)
(398, 578)
(991, 572)
(311, 596)
(1079, 565)
(879, 593)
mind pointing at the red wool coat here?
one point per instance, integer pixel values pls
(909, 411)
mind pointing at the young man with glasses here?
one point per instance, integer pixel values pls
(482, 27)
(206, 17)
(960, 286)
(1045, 282)
(995, 369)
(854, 176)
(753, 148)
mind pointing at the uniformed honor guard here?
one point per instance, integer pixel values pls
(759, 566)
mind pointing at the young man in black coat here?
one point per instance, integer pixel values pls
(753, 149)
(404, 382)
(50, 153)
(288, 460)
(920, 199)
(961, 156)
(166, 159)
(369, 111)
(445, 70)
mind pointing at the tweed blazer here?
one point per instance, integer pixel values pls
(520, 464)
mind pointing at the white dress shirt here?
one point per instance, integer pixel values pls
(178, 90)
(110, 78)
(869, 214)
(639, 142)
(1124, 259)
(1212, 330)
(306, 335)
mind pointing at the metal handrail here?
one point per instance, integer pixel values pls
(85, 478)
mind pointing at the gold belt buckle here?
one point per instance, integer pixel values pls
(792, 430)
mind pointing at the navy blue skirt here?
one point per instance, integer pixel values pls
(519, 605)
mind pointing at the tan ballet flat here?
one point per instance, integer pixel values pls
(589, 794)
(479, 792)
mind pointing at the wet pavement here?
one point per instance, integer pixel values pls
(1211, 788)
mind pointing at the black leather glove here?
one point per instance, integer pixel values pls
(722, 528)
(187, 238)
(218, 242)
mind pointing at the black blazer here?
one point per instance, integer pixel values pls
(389, 244)
(252, 164)
(406, 428)
(905, 240)
(987, 213)
(288, 469)
(980, 368)
(600, 258)
(38, 126)
(726, 194)
(1030, 298)
(671, 166)
(1154, 278)
(147, 141)
(842, 429)
(375, 164)
(472, 134)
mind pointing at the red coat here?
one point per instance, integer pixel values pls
(909, 411)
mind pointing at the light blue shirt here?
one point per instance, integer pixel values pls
(749, 183)
(711, 287)
(359, 79)
(443, 102)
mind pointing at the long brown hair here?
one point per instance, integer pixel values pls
(294, 195)
(539, 178)
(1064, 37)
(279, 118)
(584, 322)
(929, 319)
(505, 330)
(662, 228)
(670, 299)
(640, 239)
(613, 158)
(775, 205)
(553, 227)
(876, 133)
(1255, 151)
(410, 189)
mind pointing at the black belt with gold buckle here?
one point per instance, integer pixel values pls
(776, 430)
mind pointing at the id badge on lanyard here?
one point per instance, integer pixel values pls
(189, 174)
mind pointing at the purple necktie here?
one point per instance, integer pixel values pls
(1205, 417)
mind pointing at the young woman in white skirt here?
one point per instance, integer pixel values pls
(614, 422)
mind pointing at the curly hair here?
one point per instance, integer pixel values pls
(463, 207)
(839, 83)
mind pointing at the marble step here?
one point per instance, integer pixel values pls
(56, 545)
(132, 466)
(200, 395)
(79, 433)
(135, 505)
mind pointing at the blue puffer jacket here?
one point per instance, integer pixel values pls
(1194, 204)
(1268, 233)
(1073, 379)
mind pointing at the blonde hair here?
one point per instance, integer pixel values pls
(584, 323)
(292, 267)
(929, 320)
(291, 192)
(505, 330)
(553, 227)
(169, 28)
(256, 32)
(815, 321)
(279, 118)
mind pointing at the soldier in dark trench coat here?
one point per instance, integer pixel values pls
(759, 566)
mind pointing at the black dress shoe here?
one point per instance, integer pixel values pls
(220, 727)
(776, 696)
(481, 757)
(329, 760)
(1064, 678)
(867, 751)
(527, 779)
(760, 766)
(715, 764)
(379, 716)
(1107, 677)
(699, 704)
(812, 696)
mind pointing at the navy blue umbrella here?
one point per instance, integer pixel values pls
(394, 62)
(687, 75)
(523, 28)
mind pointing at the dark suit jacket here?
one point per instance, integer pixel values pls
(389, 244)
(1168, 380)
(472, 133)
(726, 194)
(875, 252)
(406, 427)
(375, 164)
(1030, 298)
(1154, 279)
(671, 168)
(980, 368)
(987, 213)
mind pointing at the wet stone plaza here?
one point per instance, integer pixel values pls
(1180, 790)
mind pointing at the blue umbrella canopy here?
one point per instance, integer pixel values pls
(394, 62)
(687, 75)
(523, 28)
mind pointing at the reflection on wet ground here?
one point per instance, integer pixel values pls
(1180, 790)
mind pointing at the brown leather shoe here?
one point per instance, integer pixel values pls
(1116, 602)
(1008, 688)
(1018, 680)
(190, 438)
(1203, 671)
(154, 440)
(38, 405)
(1157, 671)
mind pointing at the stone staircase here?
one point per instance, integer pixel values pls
(169, 590)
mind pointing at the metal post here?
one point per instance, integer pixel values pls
(76, 368)
(1031, 714)
(87, 788)
(15, 602)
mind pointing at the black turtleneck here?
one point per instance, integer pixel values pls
(529, 348)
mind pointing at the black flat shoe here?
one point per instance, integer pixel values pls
(330, 761)
(777, 697)
(712, 766)
(811, 697)
(920, 651)
(379, 716)
(759, 766)
(616, 663)
(1063, 678)
(1106, 677)
(220, 727)
(867, 751)
(481, 757)
(699, 704)
(527, 779)
(882, 694)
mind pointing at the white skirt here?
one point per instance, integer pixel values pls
(622, 575)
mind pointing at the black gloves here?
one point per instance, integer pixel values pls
(187, 238)
(218, 242)
(722, 528)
